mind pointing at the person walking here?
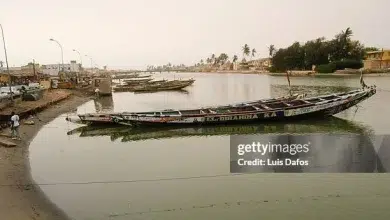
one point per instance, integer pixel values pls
(15, 126)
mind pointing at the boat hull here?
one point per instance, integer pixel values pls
(261, 110)
(313, 111)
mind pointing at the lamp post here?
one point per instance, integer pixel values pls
(81, 58)
(91, 62)
(81, 63)
(62, 52)
(6, 61)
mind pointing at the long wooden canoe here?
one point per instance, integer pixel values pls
(320, 106)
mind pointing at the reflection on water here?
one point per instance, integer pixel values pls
(337, 145)
(104, 104)
(184, 173)
(126, 134)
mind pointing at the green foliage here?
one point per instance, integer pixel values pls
(319, 52)
(347, 64)
(246, 50)
(326, 68)
(339, 65)
(368, 49)
(235, 58)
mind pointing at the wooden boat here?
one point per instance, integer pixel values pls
(126, 76)
(136, 81)
(291, 107)
(320, 106)
(154, 86)
(162, 87)
(113, 118)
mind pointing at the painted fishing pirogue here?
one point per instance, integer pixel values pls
(291, 107)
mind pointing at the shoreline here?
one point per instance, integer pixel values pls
(298, 74)
(20, 198)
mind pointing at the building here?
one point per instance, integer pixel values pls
(377, 60)
(21, 75)
(54, 69)
(260, 64)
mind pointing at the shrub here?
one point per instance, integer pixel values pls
(326, 68)
(349, 64)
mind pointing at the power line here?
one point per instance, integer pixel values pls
(121, 181)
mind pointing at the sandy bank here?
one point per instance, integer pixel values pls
(19, 198)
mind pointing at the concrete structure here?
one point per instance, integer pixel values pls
(377, 60)
(54, 69)
(260, 64)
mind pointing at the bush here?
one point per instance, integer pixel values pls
(349, 64)
(326, 68)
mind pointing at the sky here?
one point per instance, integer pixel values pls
(136, 33)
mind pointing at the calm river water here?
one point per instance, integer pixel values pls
(117, 173)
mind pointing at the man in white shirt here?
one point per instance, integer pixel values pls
(97, 91)
(15, 126)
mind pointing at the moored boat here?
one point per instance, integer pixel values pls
(291, 107)
(320, 106)
(115, 118)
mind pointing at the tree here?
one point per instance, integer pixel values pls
(253, 53)
(235, 58)
(213, 58)
(208, 60)
(245, 51)
(223, 57)
(201, 62)
(316, 52)
(271, 50)
(367, 49)
(341, 50)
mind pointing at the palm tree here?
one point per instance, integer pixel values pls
(347, 34)
(201, 61)
(212, 58)
(235, 58)
(253, 53)
(246, 50)
(271, 50)
(208, 60)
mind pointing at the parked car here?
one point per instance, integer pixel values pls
(6, 90)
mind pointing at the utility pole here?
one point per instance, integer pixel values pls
(6, 61)
(36, 77)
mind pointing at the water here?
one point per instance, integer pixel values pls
(184, 173)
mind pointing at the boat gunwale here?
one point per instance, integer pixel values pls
(346, 96)
(355, 95)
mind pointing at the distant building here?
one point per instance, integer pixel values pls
(54, 69)
(260, 64)
(377, 60)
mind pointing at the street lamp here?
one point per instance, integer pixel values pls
(81, 62)
(6, 61)
(62, 52)
(81, 58)
(91, 62)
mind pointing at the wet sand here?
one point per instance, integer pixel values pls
(20, 199)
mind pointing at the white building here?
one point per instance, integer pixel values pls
(53, 69)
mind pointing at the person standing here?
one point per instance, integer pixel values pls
(97, 92)
(15, 126)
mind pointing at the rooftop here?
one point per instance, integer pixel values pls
(378, 51)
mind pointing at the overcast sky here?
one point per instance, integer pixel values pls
(135, 33)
